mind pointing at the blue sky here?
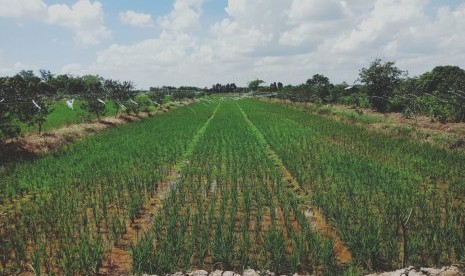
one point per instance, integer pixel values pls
(201, 42)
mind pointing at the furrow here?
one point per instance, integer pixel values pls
(118, 260)
(314, 216)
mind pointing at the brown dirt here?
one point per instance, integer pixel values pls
(316, 220)
(117, 260)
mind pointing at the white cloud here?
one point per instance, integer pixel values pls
(73, 69)
(287, 41)
(23, 9)
(311, 21)
(387, 19)
(84, 18)
(184, 16)
(135, 19)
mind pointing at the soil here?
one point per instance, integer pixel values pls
(117, 260)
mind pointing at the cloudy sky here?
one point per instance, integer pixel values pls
(201, 42)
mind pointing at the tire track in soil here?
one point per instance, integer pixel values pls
(314, 216)
(117, 260)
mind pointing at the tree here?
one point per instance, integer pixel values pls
(274, 87)
(93, 94)
(119, 92)
(24, 98)
(8, 126)
(381, 79)
(41, 112)
(445, 87)
(320, 86)
(255, 84)
(157, 95)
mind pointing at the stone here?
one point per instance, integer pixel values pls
(230, 273)
(216, 273)
(268, 273)
(250, 272)
(431, 271)
(198, 273)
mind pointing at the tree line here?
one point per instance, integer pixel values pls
(27, 99)
(439, 93)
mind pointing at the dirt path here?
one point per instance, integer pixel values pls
(118, 259)
(314, 216)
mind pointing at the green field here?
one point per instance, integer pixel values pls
(230, 205)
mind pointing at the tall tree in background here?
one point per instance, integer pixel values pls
(381, 79)
(120, 92)
(320, 88)
(255, 84)
(93, 94)
(445, 87)
(8, 127)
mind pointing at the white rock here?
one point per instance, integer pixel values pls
(198, 273)
(431, 271)
(230, 273)
(250, 272)
(216, 273)
(268, 273)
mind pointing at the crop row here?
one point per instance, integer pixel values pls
(231, 210)
(60, 213)
(393, 202)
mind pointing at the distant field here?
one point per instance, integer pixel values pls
(227, 168)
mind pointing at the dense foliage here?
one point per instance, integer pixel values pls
(439, 94)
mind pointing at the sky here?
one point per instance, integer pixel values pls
(202, 42)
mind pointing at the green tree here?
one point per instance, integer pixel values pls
(444, 86)
(8, 125)
(380, 80)
(157, 95)
(120, 92)
(24, 98)
(93, 95)
(255, 84)
(320, 88)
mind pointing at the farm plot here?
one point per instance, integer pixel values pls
(244, 174)
(60, 213)
(392, 201)
(231, 210)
